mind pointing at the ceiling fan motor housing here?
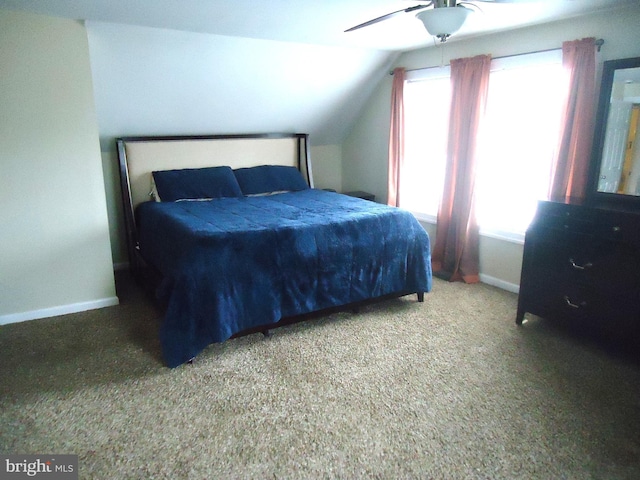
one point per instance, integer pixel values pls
(442, 21)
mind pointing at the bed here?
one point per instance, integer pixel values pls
(240, 241)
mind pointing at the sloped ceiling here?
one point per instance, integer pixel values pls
(150, 81)
(222, 66)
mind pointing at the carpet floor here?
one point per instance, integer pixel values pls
(446, 389)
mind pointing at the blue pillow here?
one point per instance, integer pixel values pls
(192, 183)
(269, 178)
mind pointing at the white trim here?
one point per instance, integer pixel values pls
(499, 63)
(59, 310)
(425, 217)
(429, 73)
(512, 237)
(527, 59)
(496, 282)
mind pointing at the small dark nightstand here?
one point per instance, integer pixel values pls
(361, 194)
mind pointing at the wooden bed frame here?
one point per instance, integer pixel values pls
(139, 156)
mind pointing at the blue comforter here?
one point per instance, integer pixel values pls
(231, 264)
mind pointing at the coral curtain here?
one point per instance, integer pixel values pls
(571, 165)
(456, 250)
(396, 137)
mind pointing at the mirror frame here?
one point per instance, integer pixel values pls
(593, 195)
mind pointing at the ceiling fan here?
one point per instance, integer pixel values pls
(439, 17)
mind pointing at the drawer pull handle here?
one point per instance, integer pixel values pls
(580, 267)
(574, 305)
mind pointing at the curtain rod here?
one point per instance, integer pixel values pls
(598, 43)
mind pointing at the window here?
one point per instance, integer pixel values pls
(426, 107)
(518, 137)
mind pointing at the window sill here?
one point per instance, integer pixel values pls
(423, 217)
(511, 237)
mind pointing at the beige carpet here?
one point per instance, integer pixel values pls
(446, 389)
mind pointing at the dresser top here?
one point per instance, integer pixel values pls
(600, 206)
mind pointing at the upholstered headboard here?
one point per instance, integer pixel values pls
(139, 156)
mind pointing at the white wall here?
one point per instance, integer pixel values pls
(326, 162)
(55, 254)
(364, 151)
(159, 81)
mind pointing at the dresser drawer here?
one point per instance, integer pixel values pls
(612, 225)
(550, 299)
(568, 257)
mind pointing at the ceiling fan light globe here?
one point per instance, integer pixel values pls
(443, 22)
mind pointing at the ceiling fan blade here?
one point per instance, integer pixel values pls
(508, 1)
(389, 15)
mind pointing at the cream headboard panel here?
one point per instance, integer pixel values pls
(145, 156)
(139, 156)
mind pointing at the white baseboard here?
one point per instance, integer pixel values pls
(496, 282)
(59, 310)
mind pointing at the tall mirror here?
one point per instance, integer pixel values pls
(616, 151)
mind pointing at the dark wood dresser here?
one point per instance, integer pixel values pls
(582, 263)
